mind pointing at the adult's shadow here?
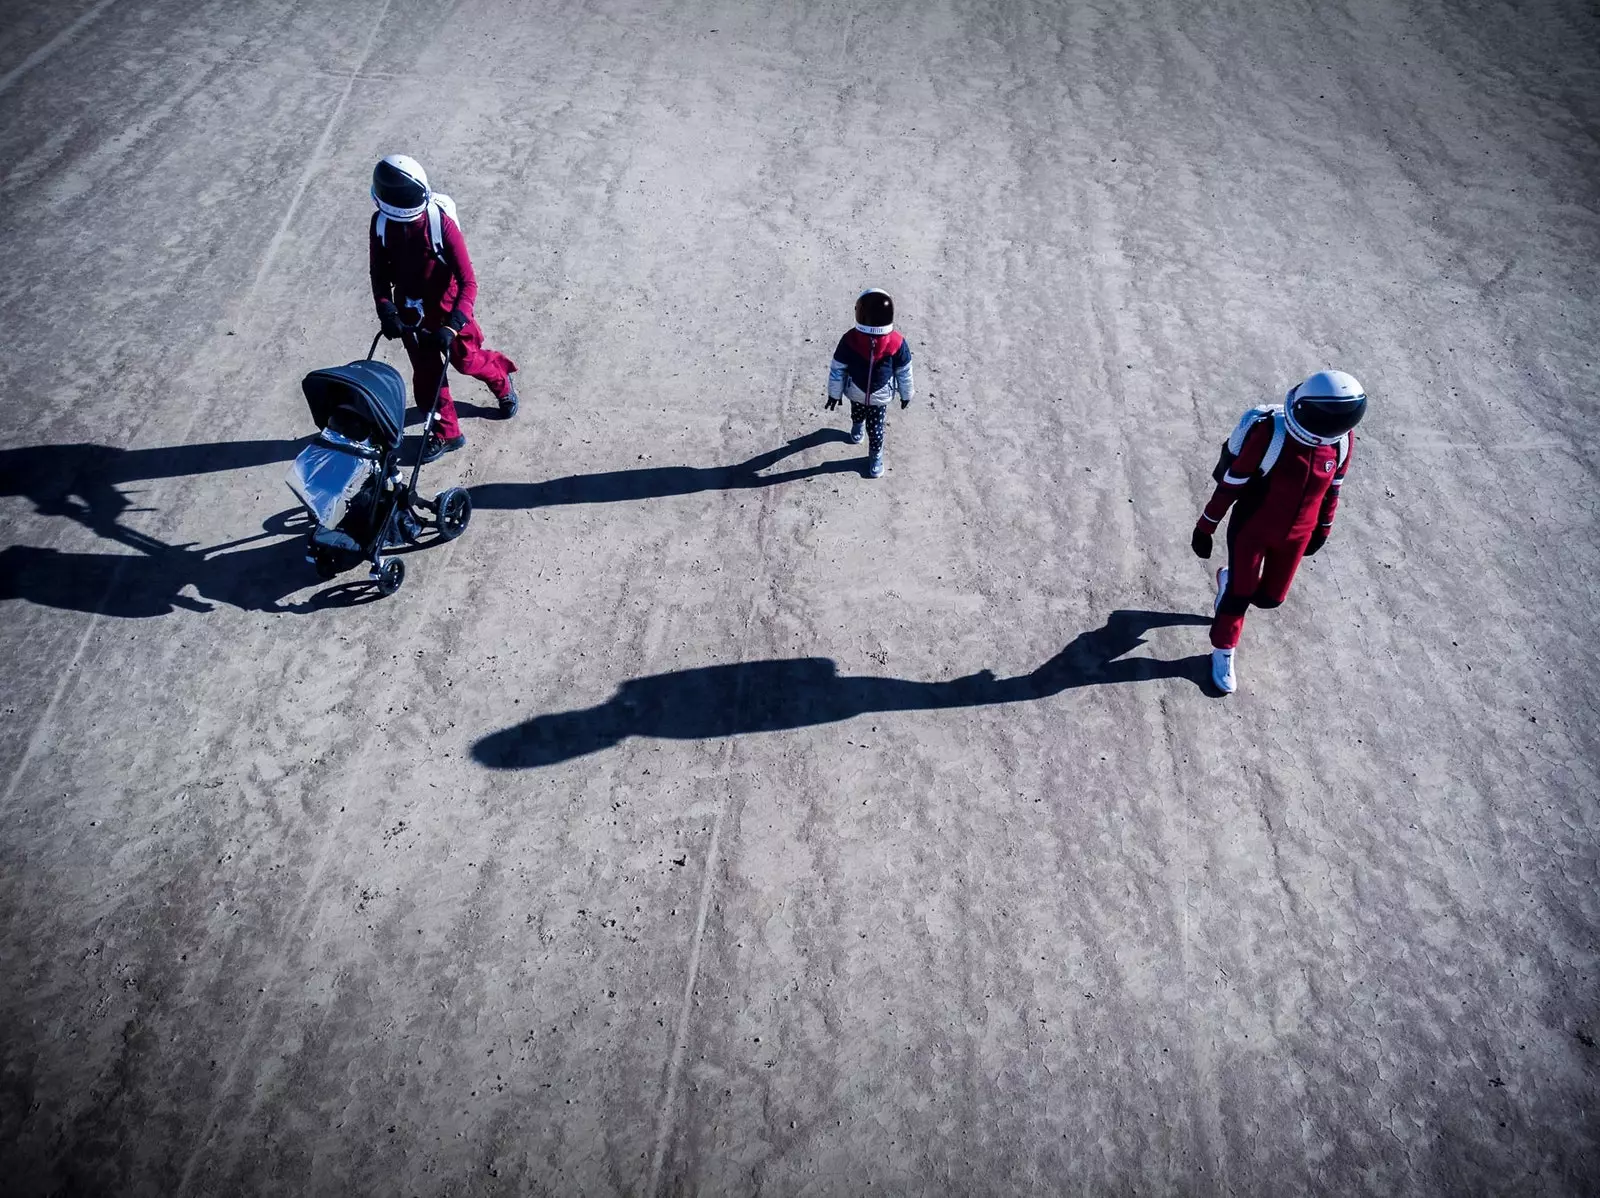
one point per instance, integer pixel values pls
(244, 574)
(89, 483)
(465, 410)
(661, 482)
(771, 696)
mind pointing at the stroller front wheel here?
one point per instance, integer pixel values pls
(390, 575)
(455, 511)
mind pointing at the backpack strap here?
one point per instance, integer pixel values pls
(1235, 443)
(1248, 421)
(1280, 433)
(437, 205)
(436, 231)
(440, 203)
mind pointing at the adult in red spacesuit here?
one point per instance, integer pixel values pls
(1281, 472)
(422, 279)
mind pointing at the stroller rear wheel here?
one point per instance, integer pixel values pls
(455, 511)
(390, 575)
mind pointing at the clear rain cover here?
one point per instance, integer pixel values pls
(326, 480)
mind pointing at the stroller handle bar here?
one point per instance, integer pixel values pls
(407, 335)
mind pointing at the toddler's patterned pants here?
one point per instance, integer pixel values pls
(873, 416)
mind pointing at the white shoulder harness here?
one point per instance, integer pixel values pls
(1280, 433)
(438, 202)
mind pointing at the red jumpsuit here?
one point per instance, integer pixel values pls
(1275, 517)
(407, 272)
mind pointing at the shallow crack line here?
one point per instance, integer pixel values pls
(245, 1040)
(680, 1041)
(51, 46)
(41, 725)
(314, 162)
(296, 920)
(708, 885)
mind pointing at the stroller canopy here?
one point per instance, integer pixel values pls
(374, 390)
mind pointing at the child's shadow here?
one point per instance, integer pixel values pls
(661, 482)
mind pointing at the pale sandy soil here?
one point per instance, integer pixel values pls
(665, 834)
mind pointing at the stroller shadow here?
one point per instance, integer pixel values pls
(662, 482)
(151, 582)
(90, 485)
(84, 482)
(771, 696)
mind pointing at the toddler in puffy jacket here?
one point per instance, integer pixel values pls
(871, 364)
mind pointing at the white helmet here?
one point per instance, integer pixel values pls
(1325, 407)
(400, 187)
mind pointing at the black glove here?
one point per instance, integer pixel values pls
(443, 337)
(904, 404)
(1201, 541)
(834, 401)
(457, 320)
(389, 319)
(1319, 538)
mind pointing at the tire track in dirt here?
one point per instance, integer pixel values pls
(486, 575)
(54, 45)
(38, 737)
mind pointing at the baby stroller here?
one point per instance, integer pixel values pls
(350, 476)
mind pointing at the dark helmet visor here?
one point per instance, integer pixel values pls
(1329, 416)
(874, 309)
(396, 188)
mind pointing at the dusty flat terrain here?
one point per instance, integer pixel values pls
(709, 819)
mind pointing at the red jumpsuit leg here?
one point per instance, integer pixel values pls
(1246, 555)
(1278, 572)
(468, 355)
(425, 368)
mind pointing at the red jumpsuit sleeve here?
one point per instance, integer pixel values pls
(1330, 501)
(455, 249)
(1239, 473)
(378, 263)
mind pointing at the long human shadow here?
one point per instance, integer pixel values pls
(90, 484)
(661, 482)
(771, 696)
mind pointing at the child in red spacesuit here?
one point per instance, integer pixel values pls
(422, 279)
(1283, 466)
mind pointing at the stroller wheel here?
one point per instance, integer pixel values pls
(390, 575)
(455, 510)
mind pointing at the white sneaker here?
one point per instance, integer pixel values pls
(1222, 586)
(858, 430)
(1222, 670)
